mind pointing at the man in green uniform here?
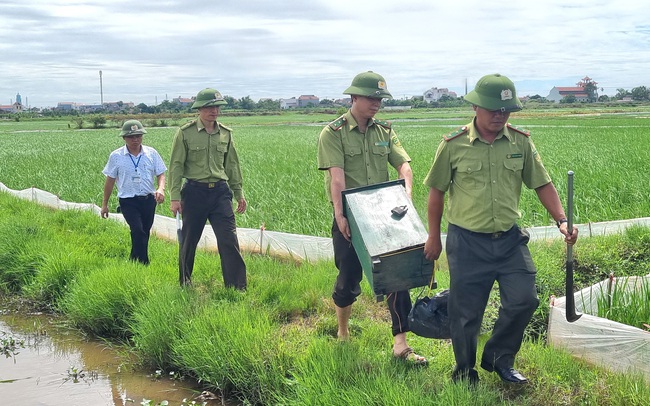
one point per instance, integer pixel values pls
(483, 166)
(203, 152)
(355, 150)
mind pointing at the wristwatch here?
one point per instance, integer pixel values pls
(560, 221)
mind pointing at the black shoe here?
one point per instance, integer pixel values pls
(469, 376)
(509, 375)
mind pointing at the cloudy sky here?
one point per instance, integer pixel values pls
(52, 51)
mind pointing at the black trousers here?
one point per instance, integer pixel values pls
(348, 283)
(476, 261)
(139, 213)
(201, 203)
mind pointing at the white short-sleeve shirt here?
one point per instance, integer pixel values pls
(134, 174)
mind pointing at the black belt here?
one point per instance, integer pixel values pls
(208, 185)
(145, 197)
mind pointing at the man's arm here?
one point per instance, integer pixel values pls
(108, 189)
(176, 167)
(404, 172)
(549, 198)
(435, 207)
(337, 186)
(159, 194)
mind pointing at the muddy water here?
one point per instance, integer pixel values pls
(57, 367)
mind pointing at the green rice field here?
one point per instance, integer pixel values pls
(608, 149)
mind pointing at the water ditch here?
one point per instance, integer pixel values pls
(52, 365)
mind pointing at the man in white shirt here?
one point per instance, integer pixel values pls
(133, 167)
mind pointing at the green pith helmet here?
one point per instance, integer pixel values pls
(369, 84)
(132, 127)
(208, 97)
(495, 92)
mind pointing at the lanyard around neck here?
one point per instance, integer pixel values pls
(135, 163)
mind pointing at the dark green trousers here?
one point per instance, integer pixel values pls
(476, 261)
(210, 202)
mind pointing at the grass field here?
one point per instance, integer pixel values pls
(275, 343)
(607, 149)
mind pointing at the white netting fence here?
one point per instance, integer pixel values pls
(614, 345)
(277, 244)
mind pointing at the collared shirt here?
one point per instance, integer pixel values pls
(364, 158)
(134, 175)
(204, 157)
(484, 180)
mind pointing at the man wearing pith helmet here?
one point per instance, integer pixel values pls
(133, 168)
(204, 154)
(483, 166)
(355, 150)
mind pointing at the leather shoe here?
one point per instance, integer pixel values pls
(469, 376)
(509, 375)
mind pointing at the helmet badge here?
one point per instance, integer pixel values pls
(506, 94)
(134, 127)
(381, 85)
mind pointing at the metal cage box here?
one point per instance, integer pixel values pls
(388, 237)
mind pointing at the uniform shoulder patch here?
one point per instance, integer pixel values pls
(519, 130)
(338, 123)
(383, 123)
(462, 130)
(224, 127)
(188, 125)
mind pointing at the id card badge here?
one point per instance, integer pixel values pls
(136, 178)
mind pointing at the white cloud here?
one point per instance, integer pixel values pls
(147, 50)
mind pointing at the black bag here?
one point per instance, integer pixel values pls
(429, 318)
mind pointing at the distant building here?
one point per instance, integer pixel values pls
(558, 93)
(88, 108)
(92, 108)
(66, 106)
(184, 101)
(291, 103)
(15, 107)
(12, 108)
(434, 94)
(346, 101)
(308, 100)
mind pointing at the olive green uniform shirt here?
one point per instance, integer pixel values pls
(203, 157)
(364, 158)
(484, 180)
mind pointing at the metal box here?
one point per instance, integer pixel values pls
(389, 244)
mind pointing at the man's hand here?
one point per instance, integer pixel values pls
(569, 238)
(104, 211)
(175, 207)
(433, 247)
(344, 227)
(160, 196)
(241, 205)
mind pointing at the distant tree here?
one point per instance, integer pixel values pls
(640, 93)
(535, 97)
(268, 104)
(621, 93)
(591, 88)
(569, 99)
(98, 121)
(326, 103)
(446, 98)
(603, 98)
(232, 102)
(247, 103)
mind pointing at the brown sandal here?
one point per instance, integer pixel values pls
(408, 355)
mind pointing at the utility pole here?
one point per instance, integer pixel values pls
(101, 89)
